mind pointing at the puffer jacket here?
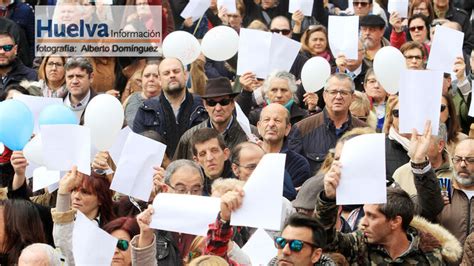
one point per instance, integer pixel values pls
(431, 244)
(468, 257)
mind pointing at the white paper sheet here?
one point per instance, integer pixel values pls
(260, 248)
(344, 36)
(420, 100)
(42, 178)
(254, 52)
(195, 9)
(36, 105)
(305, 6)
(471, 107)
(400, 6)
(230, 5)
(90, 244)
(261, 206)
(116, 150)
(65, 146)
(283, 52)
(53, 187)
(243, 121)
(134, 173)
(30, 169)
(184, 213)
(445, 47)
(363, 171)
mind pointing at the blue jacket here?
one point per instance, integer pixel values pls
(157, 115)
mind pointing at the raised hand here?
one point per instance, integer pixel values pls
(419, 145)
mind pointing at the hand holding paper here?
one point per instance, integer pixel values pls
(419, 145)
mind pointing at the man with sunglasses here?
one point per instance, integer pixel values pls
(175, 111)
(312, 137)
(456, 215)
(220, 105)
(12, 70)
(301, 241)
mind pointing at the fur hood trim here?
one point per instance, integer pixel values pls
(451, 248)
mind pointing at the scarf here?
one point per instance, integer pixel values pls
(393, 135)
(286, 105)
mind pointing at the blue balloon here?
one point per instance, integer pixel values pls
(57, 114)
(16, 124)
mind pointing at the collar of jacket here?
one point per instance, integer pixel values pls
(330, 124)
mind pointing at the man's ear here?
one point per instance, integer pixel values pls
(316, 255)
(226, 153)
(287, 130)
(195, 158)
(235, 169)
(396, 222)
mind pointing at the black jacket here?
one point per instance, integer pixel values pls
(18, 73)
(395, 156)
(157, 115)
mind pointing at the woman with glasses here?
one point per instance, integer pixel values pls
(78, 192)
(52, 77)
(423, 7)
(418, 30)
(123, 228)
(377, 97)
(315, 43)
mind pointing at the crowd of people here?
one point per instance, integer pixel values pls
(194, 111)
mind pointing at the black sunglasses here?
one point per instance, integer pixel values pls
(395, 113)
(122, 244)
(295, 244)
(362, 4)
(419, 28)
(443, 107)
(282, 31)
(222, 102)
(7, 47)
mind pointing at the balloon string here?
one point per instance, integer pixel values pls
(197, 25)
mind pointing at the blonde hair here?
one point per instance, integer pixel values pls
(391, 103)
(361, 101)
(208, 260)
(257, 25)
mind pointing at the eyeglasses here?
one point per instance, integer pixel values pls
(122, 244)
(417, 28)
(222, 102)
(362, 118)
(282, 31)
(411, 57)
(344, 93)
(251, 166)
(395, 113)
(419, 9)
(7, 47)
(53, 64)
(466, 160)
(180, 189)
(443, 107)
(361, 4)
(295, 244)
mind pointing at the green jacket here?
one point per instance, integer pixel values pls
(430, 244)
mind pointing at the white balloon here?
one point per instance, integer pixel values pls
(2, 148)
(388, 63)
(104, 116)
(182, 45)
(33, 150)
(220, 43)
(314, 74)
